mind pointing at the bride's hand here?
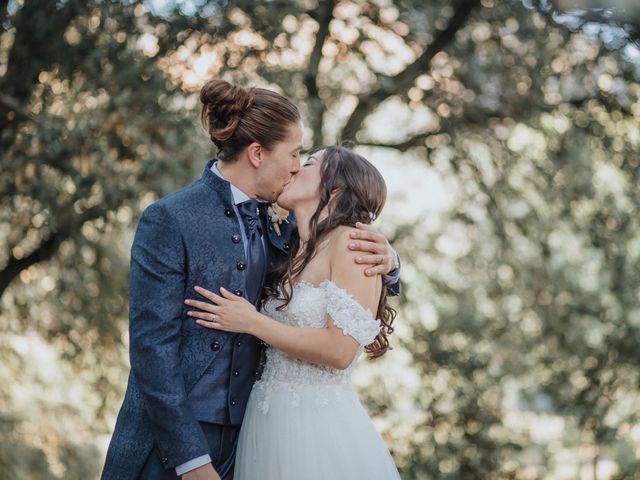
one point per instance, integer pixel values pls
(227, 312)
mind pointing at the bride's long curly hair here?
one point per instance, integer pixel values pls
(360, 190)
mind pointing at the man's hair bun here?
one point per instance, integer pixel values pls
(223, 106)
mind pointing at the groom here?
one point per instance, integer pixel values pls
(188, 386)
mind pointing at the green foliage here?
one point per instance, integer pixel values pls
(516, 350)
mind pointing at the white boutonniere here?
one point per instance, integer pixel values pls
(277, 215)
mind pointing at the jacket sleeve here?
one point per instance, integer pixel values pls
(156, 297)
(392, 281)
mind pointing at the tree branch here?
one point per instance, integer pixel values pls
(404, 80)
(14, 105)
(4, 4)
(481, 120)
(16, 265)
(447, 125)
(323, 15)
(38, 44)
(45, 250)
(414, 141)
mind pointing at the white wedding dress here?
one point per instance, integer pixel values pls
(304, 421)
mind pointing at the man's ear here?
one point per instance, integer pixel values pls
(254, 153)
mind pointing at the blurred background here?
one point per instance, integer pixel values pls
(508, 132)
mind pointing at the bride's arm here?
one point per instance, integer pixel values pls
(324, 346)
(329, 346)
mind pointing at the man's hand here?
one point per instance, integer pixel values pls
(378, 250)
(205, 472)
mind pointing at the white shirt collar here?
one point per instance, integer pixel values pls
(238, 195)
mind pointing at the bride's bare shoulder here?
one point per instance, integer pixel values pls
(347, 273)
(341, 235)
(339, 240)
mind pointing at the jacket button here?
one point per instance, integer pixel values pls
(238, 343)
(238, 292)
(236, 373)
(228, 212)
(215, 346)
(286, 246)
(241, 265)
(236, 238)
(233, 403)
(164, 460)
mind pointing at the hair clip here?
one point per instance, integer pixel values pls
(372, 216)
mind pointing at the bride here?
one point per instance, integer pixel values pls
(304, 420)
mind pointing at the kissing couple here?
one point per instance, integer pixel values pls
(246, 317)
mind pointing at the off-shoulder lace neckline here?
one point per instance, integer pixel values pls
(330, 282)
(312, 285)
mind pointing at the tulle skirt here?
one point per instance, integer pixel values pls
(310, 432)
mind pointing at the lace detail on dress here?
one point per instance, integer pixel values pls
(348, 315)
(308, 308)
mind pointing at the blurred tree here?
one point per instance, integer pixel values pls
(90, 133)
(520, 302)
